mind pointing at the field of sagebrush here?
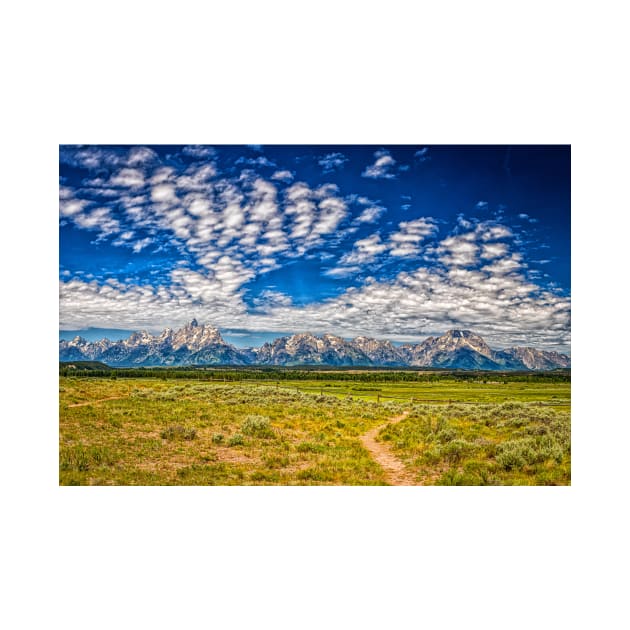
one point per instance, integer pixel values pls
(510, 443)
(174, 432)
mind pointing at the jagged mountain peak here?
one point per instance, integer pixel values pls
(302, 335)
(203, 344)
(455, 333)
(192, 344)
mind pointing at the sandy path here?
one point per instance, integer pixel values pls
(395, 471)
(94, 402)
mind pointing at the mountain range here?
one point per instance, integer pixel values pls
(196, 344)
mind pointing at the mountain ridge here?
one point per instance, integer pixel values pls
(202, 344)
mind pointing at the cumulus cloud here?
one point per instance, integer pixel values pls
(128, 178)
(163, 192)
(371, 214)
(283, 176)
(382, 167)
(491, 232)
(406, 241)
(332, 161)
(199, 151)
(503, 307)
(364, 251)
(313, 213)
(268, 299)
(138, 246)
(231, 229)
(459, 250)
(95, 158)
(140, 156)
(494, 250)
(495, 300)
(98, 219)
(257, 161)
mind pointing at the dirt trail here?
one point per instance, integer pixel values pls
(395, 471)
(94, 402)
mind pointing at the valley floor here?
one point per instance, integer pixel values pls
(178, 432)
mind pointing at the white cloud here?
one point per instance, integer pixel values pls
(199, 151)
(233, 229)
(71, 207)
(139, 156)
(371, 214)
(504, 266)
(422, 155)
(283, 176)
(364, 251)
(98, 219)
(162, 174)
(504, 308)
(331, 212)
(138, 246)
(257, 161)
(458, 250)
(163, 192)
(495, 301)
(332, 161)
(313, 213)
(128, 178)
(342, 272)
(406, 241)
(382, 167)
(268, 299)
(491, 232)
(494, 250)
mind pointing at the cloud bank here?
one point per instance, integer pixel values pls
(230, 229)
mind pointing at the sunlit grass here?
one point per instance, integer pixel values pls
(173, 432)
(487, 444)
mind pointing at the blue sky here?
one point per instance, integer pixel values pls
(396, 242)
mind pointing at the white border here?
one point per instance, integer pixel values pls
(327, 73)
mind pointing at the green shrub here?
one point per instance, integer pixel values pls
(447, 434)
(456, 450)
(236, 440)
(217, 438)
(451, 478)
(511, 459)
(514, 454)
(258, 426)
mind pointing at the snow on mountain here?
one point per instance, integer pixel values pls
(196, 344)
(191, 345)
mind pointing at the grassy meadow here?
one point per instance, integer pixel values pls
(162, 431)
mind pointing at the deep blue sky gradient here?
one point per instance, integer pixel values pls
(494, 184)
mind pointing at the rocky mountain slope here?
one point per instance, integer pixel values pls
(191, 345)
(196, 344)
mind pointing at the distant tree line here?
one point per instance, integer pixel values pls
(319, 373)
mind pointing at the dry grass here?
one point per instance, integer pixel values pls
(154, 432)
